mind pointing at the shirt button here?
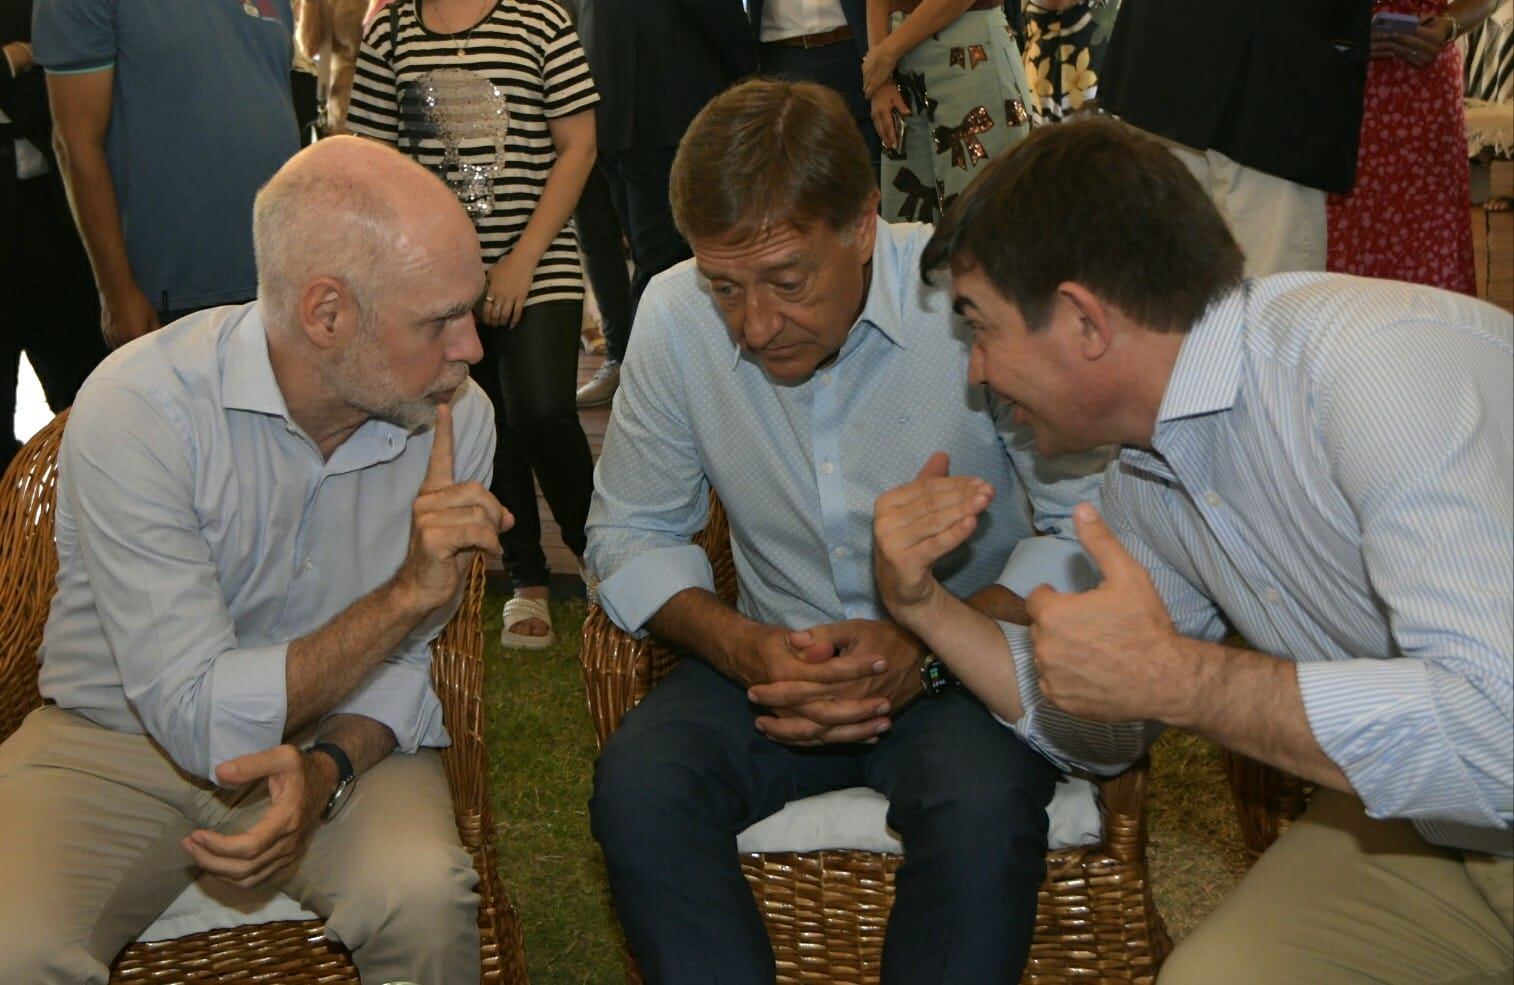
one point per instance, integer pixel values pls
(307, 565)
(1212, 498)
(839, 552)
(1272, 596)
(825, 378)
(827, 467)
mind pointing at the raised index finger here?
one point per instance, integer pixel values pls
(439, 469)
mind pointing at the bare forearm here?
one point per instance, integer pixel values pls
(365, 740)
(1250, 702)
(324, 667)
(925, 20)
(92, 197)
(698, 622)
(1469, 14)
(877, 22)
(559, 197)
(967, 638)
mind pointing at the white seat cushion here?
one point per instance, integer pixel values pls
(854, 819)
(209, 904)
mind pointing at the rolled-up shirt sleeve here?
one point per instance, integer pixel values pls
(1427, 734)
(398, 692)
(126, 468)
(651, 495)
(1106, 748)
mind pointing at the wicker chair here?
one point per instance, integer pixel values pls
(290, 953)
(826, 912)
(1267, 800)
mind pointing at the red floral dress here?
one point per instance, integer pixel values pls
(1406, 217)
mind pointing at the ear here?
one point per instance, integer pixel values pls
(865, 231)
(1095, 327)
(327, 313)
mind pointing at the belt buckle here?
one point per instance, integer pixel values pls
(804, 41)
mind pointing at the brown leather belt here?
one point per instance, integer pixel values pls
(820, 40)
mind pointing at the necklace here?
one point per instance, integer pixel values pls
(462, 46)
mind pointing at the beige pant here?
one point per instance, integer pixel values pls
(90, 825)
(1342, 898)
(1279, 224)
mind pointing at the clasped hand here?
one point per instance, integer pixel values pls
(449, 523)
(837, 682)
(299, 785)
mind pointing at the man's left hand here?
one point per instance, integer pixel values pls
(299, 785)
(1110, 654)
(806, 712)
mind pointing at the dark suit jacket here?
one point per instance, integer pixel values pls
(1274, 84)
(657, 62)
(23, 98)
(855, 12)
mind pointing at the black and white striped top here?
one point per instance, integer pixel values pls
(474, 107)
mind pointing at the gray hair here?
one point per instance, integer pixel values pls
(317, 221)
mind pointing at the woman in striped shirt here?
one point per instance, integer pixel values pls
(495, 97)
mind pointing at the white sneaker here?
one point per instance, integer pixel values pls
(601, 387)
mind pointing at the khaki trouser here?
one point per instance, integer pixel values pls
(1343, 898)
(90, 827)
(1279, 224)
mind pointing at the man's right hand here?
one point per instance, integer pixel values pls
(449, 522)
(917, 524)
(126, 315)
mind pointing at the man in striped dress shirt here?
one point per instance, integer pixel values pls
(1320, 463)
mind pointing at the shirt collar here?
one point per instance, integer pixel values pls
(248, 384)
(247, 380)
(881, 309)
(1207, 375)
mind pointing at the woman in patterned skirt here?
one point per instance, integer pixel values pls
(948, 74)
(1064, 54)
(1406, 217)
(495, 97)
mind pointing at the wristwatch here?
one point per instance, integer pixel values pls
(346, 777)
(935, 677)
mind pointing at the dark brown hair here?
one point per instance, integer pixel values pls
(1098, 203)
(766, 152)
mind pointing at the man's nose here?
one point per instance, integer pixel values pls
(760, 321)
(466, 346)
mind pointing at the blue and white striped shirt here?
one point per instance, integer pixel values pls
(1333, 477)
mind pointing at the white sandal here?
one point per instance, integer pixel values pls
(517, 611)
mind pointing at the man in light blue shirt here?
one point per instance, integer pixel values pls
(259, 533)
(798, 366)
(1320, 463)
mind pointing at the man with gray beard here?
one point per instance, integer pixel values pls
(265, 515)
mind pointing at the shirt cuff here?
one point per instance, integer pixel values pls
(1376, 721)
(1047, 560)
(399, 695)
(1104, 748)
(249, 703)
(643, 585)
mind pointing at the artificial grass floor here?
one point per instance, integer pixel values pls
(541, 747)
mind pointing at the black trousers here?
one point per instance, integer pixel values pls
(836, 65)
(638, 182)
(605, 260)
(530, 373)
(52, 307)
(687, 770)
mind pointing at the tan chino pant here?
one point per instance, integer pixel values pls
(90, 825)
(1343, 898)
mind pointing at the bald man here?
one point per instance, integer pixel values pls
(265, 514)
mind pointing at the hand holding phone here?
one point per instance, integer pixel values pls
(1389, 22)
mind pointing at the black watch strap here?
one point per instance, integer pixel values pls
(344, 770)
(346, 776)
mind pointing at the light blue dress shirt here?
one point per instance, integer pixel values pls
(1333, 477)
(199, 531)
(799, 467)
